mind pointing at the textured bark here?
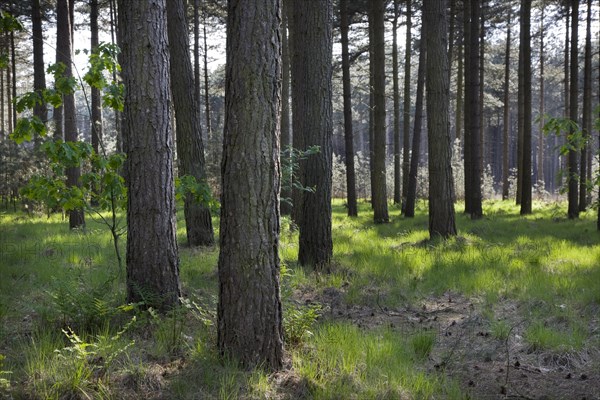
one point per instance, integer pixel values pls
(118, 115)
(190, 149)
(506, 112)
(378, 191)
(411, 195)
(573, 165)
(13, 67)
(196, 17)
(525, 88)
(64, 55)
(312, 119)
(396, 94)
(348, 131)
(406, 111)
(441, 203)
(460, 91)
(481, 85)
(96, 96)
(249, 311)
(152, 253)
(206, 83)
(9, 96)
(39, 73)
(587, 109)
(472, 162)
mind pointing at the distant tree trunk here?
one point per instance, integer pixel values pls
(540, 155)
(396, 84)
(96, 95)
(451, 37)
(406, 111)
(206, 83)
(114, 40)
(506, 117)
(525, 54)
(520, 126)
(63, 54)
(312, 111)
(286, 134)
(587, 109)
(9, 96)
(348, 131)
(441, 202)
(2, 101)
(411, 196)
(190, 149)
(460, 91)
(13, 66)
(473, 196)
(573, 167)
(152, 253)
(196, 17)
(39, 70)
(379, 192)
(249, 311)
(481, 85)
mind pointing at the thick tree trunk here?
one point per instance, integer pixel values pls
(396, 91)
(39, 70)
(379, 191)
(441, 202)
(312, 111)
(525, 54)
(406, 111)
(506, 115)
(411, 195)
(587, 109)
(573, 167)
(249, 311)
(190, 149)
(152, 253)
(348, 131)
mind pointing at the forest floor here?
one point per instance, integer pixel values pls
(510, 309)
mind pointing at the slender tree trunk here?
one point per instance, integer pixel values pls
(506, 117)
(286, 134)
(348, 131)
(2, 121)
(118, 114)
(396, 89)
(525, 54)
(411, 196)
(540, 155)
(379, 192)
(9, 96)
(190, 149)
(451, 37)
(152, 253)
(482, 147)
(472, 118)
(312, 111)
(39, 73)
(441, 202)
(249, 311)
(206, 83)
(460, 91)
(573, 167)
(13, 66)
(587, 109)
(197, 95)
(406, 111)
(96, 95)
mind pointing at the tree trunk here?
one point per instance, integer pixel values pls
(525, 54)
(441, 203)
(587, 109)
(152, 254)
(481, 86)
(96, 95)
(206, 83)
(460, 91)
(190, 149)
(13, 66)
(118, 114)
(573, 167)
(506, 108)
(39, 69)
(197, 96)
(348, 131)
(411, 195)
(396, 89)
(64, 55)
(9, 96)
(379, 192)
(472, 115)
(540, 155)
(406, 111)
(249, 311)
(286, 134)
(312, 112)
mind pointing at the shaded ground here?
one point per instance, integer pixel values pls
(487, 367)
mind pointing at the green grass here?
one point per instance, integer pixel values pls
(51, 279)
